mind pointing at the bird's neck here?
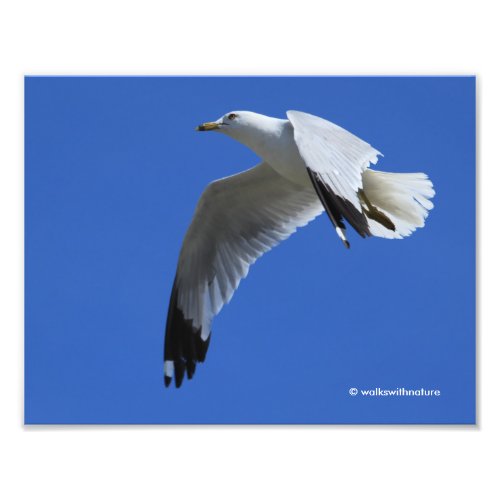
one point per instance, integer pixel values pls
(263, 140)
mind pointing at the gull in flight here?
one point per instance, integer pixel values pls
(309, 165)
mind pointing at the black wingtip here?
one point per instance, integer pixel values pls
(179, 369)
(346, 244)
(202, 347)
(339, 208)
(167, 380)
(190, 368)
(184, 345)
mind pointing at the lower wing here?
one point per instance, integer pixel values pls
(237, 219)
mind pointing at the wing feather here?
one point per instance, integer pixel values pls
(336, 157)
(237, 219)
(384, 204)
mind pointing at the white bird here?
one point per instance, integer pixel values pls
(308, 165)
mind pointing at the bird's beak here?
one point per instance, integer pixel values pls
(208, 126)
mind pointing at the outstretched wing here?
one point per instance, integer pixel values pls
(335, 160)
(237, 219)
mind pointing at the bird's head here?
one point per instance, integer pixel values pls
(230, 122)
(240, 125)
(251, 129)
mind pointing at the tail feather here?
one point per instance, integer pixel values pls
(403, 198)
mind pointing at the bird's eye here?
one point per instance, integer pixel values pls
(232, 116)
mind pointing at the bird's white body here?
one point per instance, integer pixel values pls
(272, 140)
(309, 165)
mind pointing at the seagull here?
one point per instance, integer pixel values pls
(309, 166)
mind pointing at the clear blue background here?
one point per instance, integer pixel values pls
(114, 169)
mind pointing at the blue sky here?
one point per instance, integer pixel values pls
(114, 169)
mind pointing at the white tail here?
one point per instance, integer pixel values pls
(404, 198)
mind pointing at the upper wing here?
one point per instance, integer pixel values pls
(237, 219)
(335, 159)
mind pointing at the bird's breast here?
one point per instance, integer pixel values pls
(282, 154)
